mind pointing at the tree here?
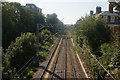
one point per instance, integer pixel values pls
(18, 19)
(19, 53)
(56, 24)
(51, 19)
(45, 37)
(9, 17)
(96, 32)
(111, 58)
(99, 38)
(116, 5)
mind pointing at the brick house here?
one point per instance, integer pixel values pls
(110, 16)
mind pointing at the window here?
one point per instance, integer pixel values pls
(108, 19)
(112, 19)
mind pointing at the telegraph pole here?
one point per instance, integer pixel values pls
(37, 42)
(39, 27)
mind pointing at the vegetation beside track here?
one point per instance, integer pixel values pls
(19, 39)
(94, 37)
(19, 61)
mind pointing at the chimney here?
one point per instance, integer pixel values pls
(110, 8)
(98, 10)
(91, 13)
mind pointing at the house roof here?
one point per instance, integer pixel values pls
(107, 13)
(31, 5)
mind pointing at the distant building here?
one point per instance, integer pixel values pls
(34, 7)
(110, 16)
(91, 12)
(98, 10)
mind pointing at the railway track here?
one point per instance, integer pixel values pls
(51, 65)
(74, 68)
(71, 63)
(63, 63)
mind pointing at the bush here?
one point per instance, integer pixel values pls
(18, 53)
(95, 31)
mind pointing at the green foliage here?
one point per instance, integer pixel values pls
(9, 17)
(45, 43)
(43, 55)
(95, 30)
(51, 19)
(18, 19)
(29, 74)
(19, 53)
(18, 50)
(111, 56)
(95, 35)
(106, 58)
(45, 37)
(116, 5)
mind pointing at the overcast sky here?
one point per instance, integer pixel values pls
(68, 11)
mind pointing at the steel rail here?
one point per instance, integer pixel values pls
(42, 75)
(73, 65)
(65, 62)
(54, 67)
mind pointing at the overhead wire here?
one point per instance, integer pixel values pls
(96, 60)
(25, 65)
